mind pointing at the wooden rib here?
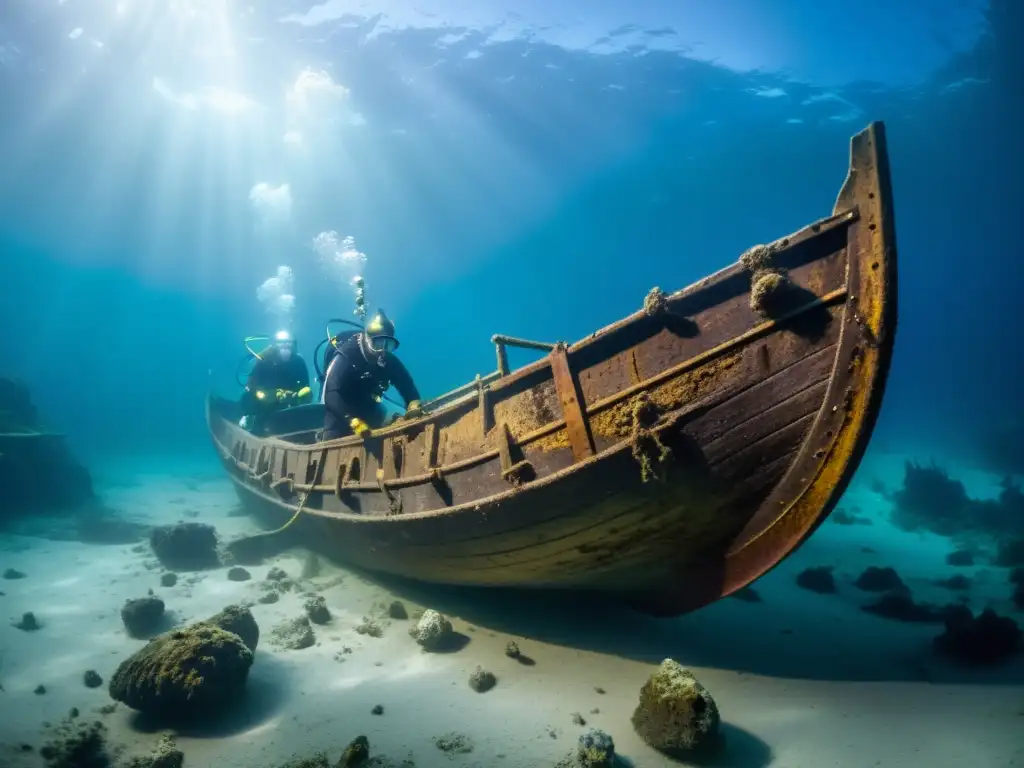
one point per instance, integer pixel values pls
(568, 389)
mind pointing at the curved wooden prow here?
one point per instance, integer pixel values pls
(833, 448)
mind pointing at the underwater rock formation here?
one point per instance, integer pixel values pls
(92, 679)
(168, 579)
(166, 755)
(931, 500)
(316, 609)
(875, 579)
(676, 714)
(481, 680)
(238, 573)
(433, 631)
(185, 546)
(818, 579)
(293, 635)
(143, 616)
(397, 610)
(960, 558)
(13, 573)
(900, 606)
(28, 622)
(370, 627)
(77, 745)
(31, 459)
(594, 749)
(192, 671)
(986, 639)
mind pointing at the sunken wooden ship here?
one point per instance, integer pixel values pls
(671, 458)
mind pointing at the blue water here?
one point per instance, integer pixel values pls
(531, 170)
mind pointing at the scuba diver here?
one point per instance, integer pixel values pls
(359, 368)
(278, 380)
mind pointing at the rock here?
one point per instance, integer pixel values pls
(987, 639)
(238, 573)
(238, 620)
(512, 650)
(454, 743)
(268, 598)
(958, 583)
(92, 679)
(166, 755)
(311, 566)
(577, 718)
(355, 754)
(293, 635)
(40, 690)
(433, 631)
(819, 579)
(902, 607)
(397, 610)
(73, 713)
(143, 616)
(185, 546)
(28, 622)
(185, 673)
(875, 579)
(594, 749)
(378, 709)
(276, 574)
(77, 745)
(960, 557)
(316, 609)
(12, 573)
(676, 714)
(481, 681)
(168, 579)
(371, 627)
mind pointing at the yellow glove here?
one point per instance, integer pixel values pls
(360, 427)
(413, 410)
(303, 394)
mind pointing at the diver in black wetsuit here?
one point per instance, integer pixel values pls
(279, 380)
(360, 366)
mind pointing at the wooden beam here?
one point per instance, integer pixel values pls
(576, 424)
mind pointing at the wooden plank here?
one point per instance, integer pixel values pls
(580, 438)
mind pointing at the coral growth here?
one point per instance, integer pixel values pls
(433, 631)
(77, 745)
(594, 749)
(481, 680)
(316, 609)
(676, 714)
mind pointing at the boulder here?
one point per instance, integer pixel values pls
(185, 546)
(676, 714)
(190, 672)
(433, 631)
(143, 616)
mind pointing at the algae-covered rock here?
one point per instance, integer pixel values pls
(397, 610)
(239, 620)
(293, 635)
(316, 609)
(166, 755)
(77, 745)
(595, 749)
(142, 616)
(28, 622)
(184, 673)
(676, 713)
(356, 753)
(432, 631)
(481, 680)
(185, 546)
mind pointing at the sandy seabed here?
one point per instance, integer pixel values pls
(802, 680)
